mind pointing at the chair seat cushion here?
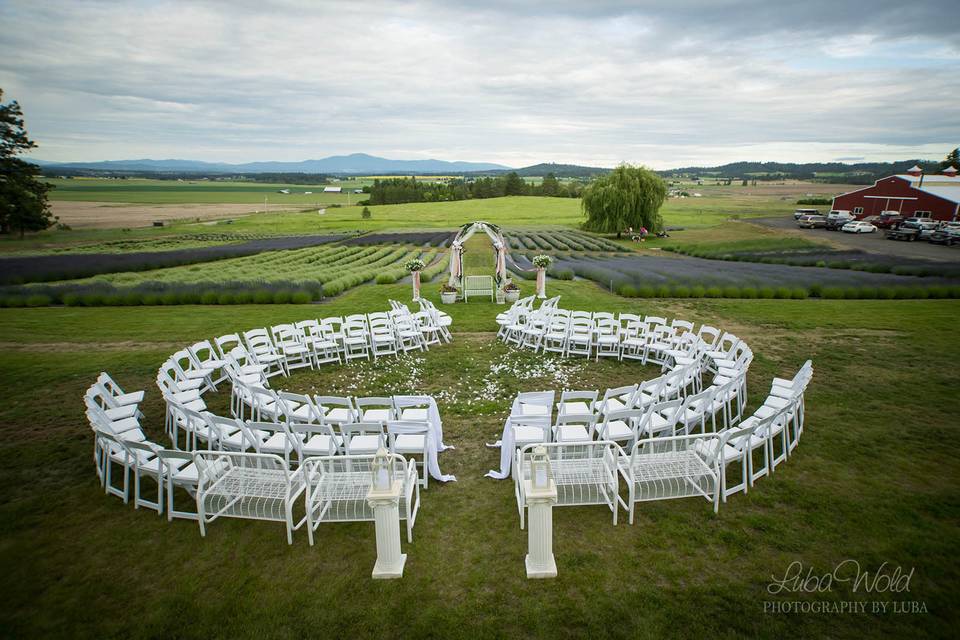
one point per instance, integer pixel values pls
(525, 434)
(575, 407)
(572, 433)
(410, 443)
(320, 445)
(618, 430)
(364, 444)
(338, 415)
(376, 415)
(416, 414)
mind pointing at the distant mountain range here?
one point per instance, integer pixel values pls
(365, 164)
(355, 163)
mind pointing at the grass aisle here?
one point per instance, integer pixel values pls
(874, 479)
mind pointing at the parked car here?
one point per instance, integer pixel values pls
(858, 226)
(837, 218)
(945, 235)
(799, 213)
(811, 221)
(911, 231)
(887, 220)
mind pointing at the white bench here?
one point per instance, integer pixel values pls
(477, 286)
(246, 485)
(337, 488)
(585, 473)
(673, 467)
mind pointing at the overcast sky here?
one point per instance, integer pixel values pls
(663, 84)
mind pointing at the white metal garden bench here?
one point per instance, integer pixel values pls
(477, 286)
(246, 485)
(585, 473)
(673, 467)
(337, 488)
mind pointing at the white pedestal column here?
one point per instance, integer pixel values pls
(386, 514)
(540, 561)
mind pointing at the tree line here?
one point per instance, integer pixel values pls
(401, 190)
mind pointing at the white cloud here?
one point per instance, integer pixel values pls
(592, 83)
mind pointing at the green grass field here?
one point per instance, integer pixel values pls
(874, 479)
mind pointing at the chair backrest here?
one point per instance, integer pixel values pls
(669, 414)
(353, 429)
(375, 402)
(227, 343)
(287, 400)
(629, 416)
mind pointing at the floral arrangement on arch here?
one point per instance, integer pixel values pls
(542, 261)
(414, 265)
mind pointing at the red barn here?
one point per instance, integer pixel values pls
(910, 194)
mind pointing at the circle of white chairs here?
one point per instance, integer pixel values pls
(674, 436)
(275, 448)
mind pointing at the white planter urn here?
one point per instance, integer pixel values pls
(448, 297)
(511, 295)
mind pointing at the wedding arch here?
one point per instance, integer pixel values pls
(499, 247)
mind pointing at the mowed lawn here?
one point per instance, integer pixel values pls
(874, 479)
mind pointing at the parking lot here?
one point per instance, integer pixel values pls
(872, 242)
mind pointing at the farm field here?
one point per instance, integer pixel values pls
(863, 484)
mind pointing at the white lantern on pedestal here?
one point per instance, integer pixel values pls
(384, 499)
(541, 496)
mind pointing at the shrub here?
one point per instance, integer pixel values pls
(386, 278)
(38, 300)
(938, 291)
(832, 293)
(562, 274)
(282, 297)
(663, 291)
(301, 297)
(766, 292)
(714, 292)
(681, 291)
(332, 288)
(646, 291)
(93, 299)
(243, 297)
(628, 291)
(697, 291)
(169, 297)
(782, 293)
(821, 263)
(799, 293)
(150, 299)
(263, 296)
(209, 297)
(226, 297)
(816, 289)
(731, 292)
(132, 298)
(13, 301)
(72, 299)
(748, 292)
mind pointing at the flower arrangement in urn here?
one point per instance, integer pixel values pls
(415, 266)
(511, 292)
(542, 261)
(448, 294)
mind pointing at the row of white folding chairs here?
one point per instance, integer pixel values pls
(625, 414)
(124, 456)
(669, 459)
(292, 439)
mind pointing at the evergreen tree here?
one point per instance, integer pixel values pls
(23, 196)
(952, 160)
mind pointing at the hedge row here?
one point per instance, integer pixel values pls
(785, 293)
(150, 295)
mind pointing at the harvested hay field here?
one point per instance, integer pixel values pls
(111, 215)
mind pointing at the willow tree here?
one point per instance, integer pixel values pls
(626, 197)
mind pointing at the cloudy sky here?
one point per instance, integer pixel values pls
(658, 83)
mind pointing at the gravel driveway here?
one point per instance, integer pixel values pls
(871, 242)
